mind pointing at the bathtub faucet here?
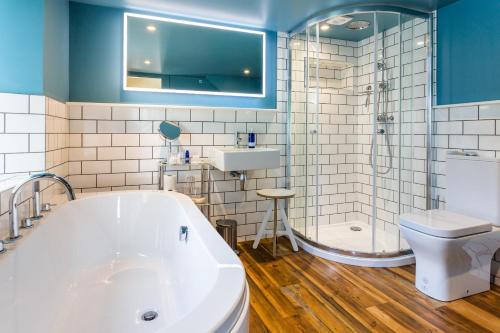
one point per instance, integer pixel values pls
(14, 196)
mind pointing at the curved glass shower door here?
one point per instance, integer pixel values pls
(303, 133)
(357, 130)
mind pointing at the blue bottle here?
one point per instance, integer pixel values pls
(186, 157)
(251, 139)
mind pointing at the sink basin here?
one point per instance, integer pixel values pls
(241, 159)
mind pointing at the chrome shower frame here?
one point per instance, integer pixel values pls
(428, 115)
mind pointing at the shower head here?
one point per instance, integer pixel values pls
(339, 20)
(357, 25)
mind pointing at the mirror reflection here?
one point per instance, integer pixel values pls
(181, 56)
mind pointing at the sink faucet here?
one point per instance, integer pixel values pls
(13, 218)
(237, 139)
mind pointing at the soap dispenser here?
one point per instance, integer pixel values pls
(251, 139)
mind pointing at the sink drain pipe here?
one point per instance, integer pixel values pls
(242, 175)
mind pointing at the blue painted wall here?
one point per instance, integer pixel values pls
(21, 46)
(56, 49)
(95, 65)
(468, 52)
(34, 47)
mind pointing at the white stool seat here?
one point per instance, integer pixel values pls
(276, 195)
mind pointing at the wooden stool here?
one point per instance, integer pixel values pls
(276, 194)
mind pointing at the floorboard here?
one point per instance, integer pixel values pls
(298, 292)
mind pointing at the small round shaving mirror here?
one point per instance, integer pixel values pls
(169, 131)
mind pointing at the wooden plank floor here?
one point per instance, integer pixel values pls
(298, 292)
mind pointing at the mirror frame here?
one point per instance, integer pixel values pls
(262, 34)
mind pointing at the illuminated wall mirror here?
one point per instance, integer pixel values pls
(167, 55)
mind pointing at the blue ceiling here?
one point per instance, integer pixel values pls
(276, 15)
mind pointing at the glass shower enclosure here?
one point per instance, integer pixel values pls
(358, 131)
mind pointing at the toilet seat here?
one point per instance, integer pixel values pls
(444, 224)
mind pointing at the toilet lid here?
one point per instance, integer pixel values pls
(445, 224)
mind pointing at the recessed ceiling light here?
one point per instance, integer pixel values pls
(339, 20)
(246, 71)
(147, 62)
(324, 27)
(151, 28)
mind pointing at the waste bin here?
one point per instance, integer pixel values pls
(228, 231)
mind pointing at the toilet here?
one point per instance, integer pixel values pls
(454, 247)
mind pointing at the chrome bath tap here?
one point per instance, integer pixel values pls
(14, 196)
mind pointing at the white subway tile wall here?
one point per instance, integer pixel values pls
(22, 127)
(124, 154)
(35, 138)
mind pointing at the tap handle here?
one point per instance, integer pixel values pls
(46, 207)
(237, 138)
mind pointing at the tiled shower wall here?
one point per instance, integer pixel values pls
(403, 183)
(344, 130)
(117, 147)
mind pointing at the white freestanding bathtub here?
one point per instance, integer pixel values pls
(97, 264)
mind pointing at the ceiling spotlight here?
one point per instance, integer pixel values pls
(147, 62)
(324, 27)
(151, 28)
(246, 71)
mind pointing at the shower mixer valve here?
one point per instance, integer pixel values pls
(384, 118)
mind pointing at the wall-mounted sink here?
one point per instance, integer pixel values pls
(241, 159)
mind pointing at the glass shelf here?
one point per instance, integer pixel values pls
(201, 165)
(198, 162)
